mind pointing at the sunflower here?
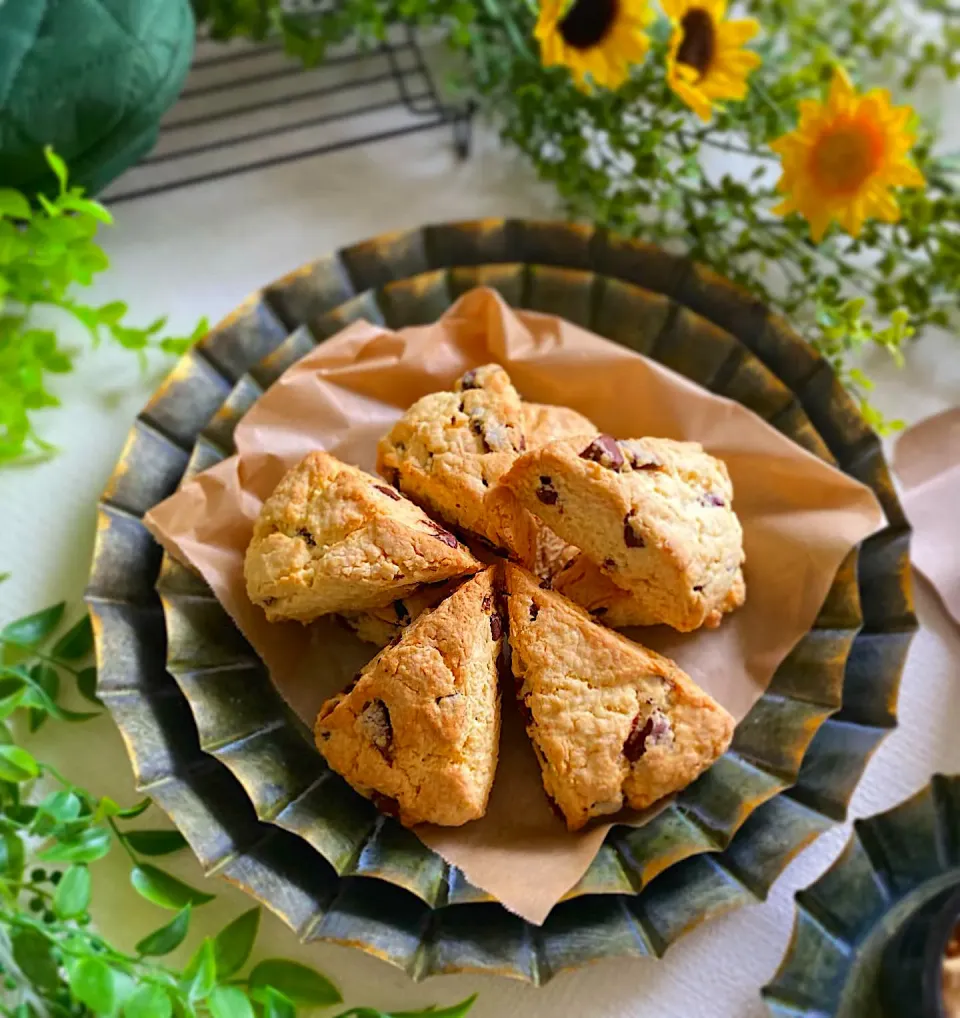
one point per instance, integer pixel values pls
(595, 38)
(844, 157)
(706, 60)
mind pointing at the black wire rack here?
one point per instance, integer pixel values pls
(250, 106)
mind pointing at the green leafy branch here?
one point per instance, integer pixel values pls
(53, 962)
(47, 250)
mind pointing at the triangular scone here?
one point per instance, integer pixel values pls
(655, 515)
(613, 724)
(449, 450)
(418, 732)
(381, 625)
(332, 538)
(591, 588)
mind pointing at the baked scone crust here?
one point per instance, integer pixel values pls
(613, 724)
(333, 538)
(418, 732)
(655, 515)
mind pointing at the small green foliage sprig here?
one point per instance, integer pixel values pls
(53, 961)
(47, 250)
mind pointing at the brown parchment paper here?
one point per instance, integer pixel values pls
(800, 518)
(927, 462)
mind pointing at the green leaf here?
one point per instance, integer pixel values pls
(72, 895)
(91, 983)
(11, 855)
(56, 164)
(301, 984)
(31, 629)
(229, 1002)
(32, 952)
(13, 204)
(167, 938)
(235, 941)
(76, 643)
(454, 1011)
(150, 1001)
(16, 764)
(165, 890)
(202, 970)
(275, 1004)
(108, 808)
(88, 846)
(63, 806)
(155, 842)
(48, 679)
(86, 207)
(87, 685)
(11, 703)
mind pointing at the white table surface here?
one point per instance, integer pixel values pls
(199, 252)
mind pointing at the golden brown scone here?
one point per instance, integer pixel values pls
(332, 538)
(612, 723)
(381, 625)
(655, 515)
(449, 450)
(418, 732)
(591, 588)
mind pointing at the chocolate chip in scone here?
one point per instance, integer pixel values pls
(605, 451)
(469, 381)
(654, 731)
(698, 587)
(308, 539)
(389, 492)
(375, 724)
(547, 494)
(546, 583)
(521, 444)
(496, 626)
(630, 536)
(609, 564)
(443, 535)
(711, 499)
(402, 611)
(487, 603)
(386, 804)
(485, 482)
(267, 601)
(534, 611)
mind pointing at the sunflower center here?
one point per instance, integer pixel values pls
(699, 41)
(588, 22)
(845, 156)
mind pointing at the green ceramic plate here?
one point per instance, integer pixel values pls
(893, 864)
(218, 749)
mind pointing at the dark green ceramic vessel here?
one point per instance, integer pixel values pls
(895, 864)
(211, 740)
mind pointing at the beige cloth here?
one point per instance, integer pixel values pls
(927, 462)
(800, 517)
